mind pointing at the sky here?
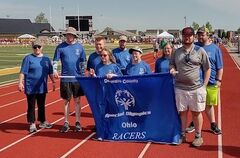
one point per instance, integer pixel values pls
(129, 14)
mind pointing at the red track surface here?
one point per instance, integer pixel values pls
(17, 142)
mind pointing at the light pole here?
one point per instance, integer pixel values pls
(62, 8)
(185, 21)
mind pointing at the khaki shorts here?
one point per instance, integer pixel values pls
(194, 100)
(212, 95)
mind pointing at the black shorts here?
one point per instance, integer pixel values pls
(69, 89)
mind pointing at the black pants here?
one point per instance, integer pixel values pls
(31, 100)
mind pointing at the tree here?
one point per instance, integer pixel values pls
(209, 26)
(195, 25)
(40, 18)
(238, 30)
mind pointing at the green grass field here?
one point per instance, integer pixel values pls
(11, 56)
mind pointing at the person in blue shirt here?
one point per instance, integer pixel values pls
(107, 67)
(137, 66)
(215, 58)
(94, 59)
(73, 59)
(162, 63)
(121, 54)
(33, 78)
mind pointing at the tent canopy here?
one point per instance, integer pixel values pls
(165, 34)
(26, 36)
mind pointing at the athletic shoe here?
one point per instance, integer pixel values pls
(65, 128)
(32, 128)
(215, 129)
(190, 128)
(183, 139)
(45, 124)
(197, 142)
(78, 127)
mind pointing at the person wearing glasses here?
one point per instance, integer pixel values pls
(107, 67)
(137, 66)
(189, 64)
(215, 57)
(33, 79)
(73, 60)
(162, 63)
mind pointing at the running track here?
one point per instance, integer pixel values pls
(15, 141)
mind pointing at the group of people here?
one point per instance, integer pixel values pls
(191, 65)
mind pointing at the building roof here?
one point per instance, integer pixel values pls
(21, 26)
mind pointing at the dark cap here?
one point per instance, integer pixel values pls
(188, 31)
(202, 30)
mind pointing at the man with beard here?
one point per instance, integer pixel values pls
(189, 64)
(121, 54)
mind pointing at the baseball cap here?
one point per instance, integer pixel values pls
(122, 38)
(136, 48)
(37, 42)
(188, 31)
(202, 30)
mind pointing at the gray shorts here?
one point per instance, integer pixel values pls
(194, 100)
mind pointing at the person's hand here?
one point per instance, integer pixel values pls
(55, 75)
(173, 71)
(110, 75)
(21, 87)
(92, 72)
(218, 83)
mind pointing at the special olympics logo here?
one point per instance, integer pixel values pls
(124, 98)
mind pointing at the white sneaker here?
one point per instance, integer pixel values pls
(45, 124)
(32, 128)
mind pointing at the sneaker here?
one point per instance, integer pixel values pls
(45, 124)
(65, 128)
(190, 128)
(183, 139)
(197, 142)
(32, 128)
(78, 127)
(215, 129)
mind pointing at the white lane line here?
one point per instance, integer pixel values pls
(235, 62)
(144, 150)
(29, 135)
(78, 145)
(220, 154)
(1, 106)
(8, 83)
(8, 93)
(26, 113)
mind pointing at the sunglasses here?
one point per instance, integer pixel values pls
(35, 47)
(187, 58)
(103, 55)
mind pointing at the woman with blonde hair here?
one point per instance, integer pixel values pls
(107, 67)
(162, 63)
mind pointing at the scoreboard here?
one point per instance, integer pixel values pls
(80, 23)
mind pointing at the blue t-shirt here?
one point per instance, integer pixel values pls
(73, 60)
(140, 68)
(162, 65)
(123, 58)
(36, 71)
(215, 57)
(93, 60)
(103, 69)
